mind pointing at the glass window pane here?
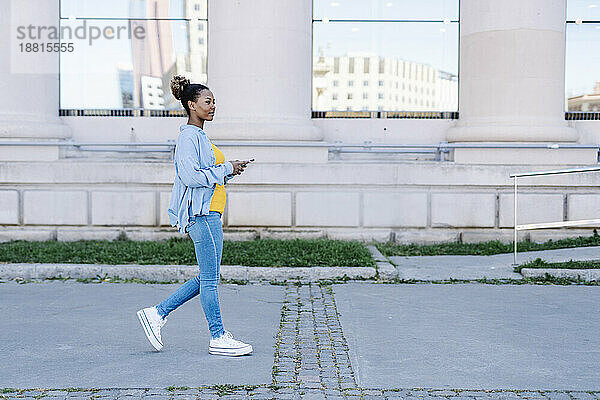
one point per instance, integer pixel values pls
(386, 9)
(130, 72)
(189, 9)
(583, 9)
(414, 65)
(582, 79)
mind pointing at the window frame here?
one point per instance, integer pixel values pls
(139, 111)
(381, 113)
(575, 115)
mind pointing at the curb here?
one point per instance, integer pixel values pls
(179, 272)
(385, 268)
(585, 274)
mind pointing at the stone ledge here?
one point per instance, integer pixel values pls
(406, 173)
(179, 272)
(386, 270)
(368, 235)
(585, 274)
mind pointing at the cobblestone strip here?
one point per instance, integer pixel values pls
(459, 394)
(230, 392)
(270, 392)
(286, 363)
(334, 352)
(311, 353)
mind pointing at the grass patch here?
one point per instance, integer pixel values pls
(297, 253)
(76, 389)
(539, 263)
(174, 388)
(180, 251)
(483, 248)
(226, 389)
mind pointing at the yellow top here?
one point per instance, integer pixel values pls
(217, 203)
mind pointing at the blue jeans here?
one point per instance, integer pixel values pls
(206, 231)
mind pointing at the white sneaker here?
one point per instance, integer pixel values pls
(226, 345)
(152, 322)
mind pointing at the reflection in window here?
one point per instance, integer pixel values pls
(139, 9)
(376, 10)
(583, 10)
(582, 63)
(407, 47)
(132, 71)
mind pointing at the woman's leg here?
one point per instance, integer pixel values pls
(218, 232)
(185, 292)
(208, 242)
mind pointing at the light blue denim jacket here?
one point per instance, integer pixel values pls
(196, 176)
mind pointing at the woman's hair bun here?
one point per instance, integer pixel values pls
(178, 85)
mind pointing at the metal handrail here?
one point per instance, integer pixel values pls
(442, 145)
(336, 147)
(546, 225)
(77, 144)
(555, 172)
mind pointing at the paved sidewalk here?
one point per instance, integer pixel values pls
(472, 336)
(69, 334)
(478, 267)
(353, 341)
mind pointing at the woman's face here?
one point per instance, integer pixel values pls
(204, 107)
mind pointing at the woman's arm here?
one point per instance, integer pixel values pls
(188, 165)
(238, 168)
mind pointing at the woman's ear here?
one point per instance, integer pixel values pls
(191, 105)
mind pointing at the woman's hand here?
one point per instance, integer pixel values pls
(239, 166)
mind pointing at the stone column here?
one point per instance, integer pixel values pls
(259, 69)
(29, 84)
(511, 87)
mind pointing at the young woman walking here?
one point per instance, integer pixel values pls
(197, 203)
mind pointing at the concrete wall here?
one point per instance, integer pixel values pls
(406, 202)
(589, 131)
(407, 131)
